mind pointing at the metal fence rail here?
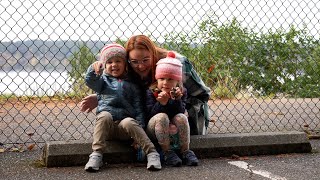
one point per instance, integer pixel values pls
(38, 38)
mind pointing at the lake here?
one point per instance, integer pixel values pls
(34, 83)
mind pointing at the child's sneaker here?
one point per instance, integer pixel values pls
(172, 159)
(94, 163)
(189, 158)
(154, 163)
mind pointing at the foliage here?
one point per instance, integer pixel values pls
(280, 58)
(80, 61)
(240, 59)
(308, 83)
(232, 60)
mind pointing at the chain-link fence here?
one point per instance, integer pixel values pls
(260, 59)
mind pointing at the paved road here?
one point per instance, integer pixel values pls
(286, 166)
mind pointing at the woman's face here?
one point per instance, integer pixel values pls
(140, 61)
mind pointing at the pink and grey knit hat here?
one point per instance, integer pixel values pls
(169, 67)
(112, 50)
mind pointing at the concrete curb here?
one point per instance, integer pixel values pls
(76, 153)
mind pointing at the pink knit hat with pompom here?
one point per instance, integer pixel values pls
(169, 67)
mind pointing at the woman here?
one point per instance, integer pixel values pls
(143, 56)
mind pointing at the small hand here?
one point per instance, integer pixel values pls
(98, 67)
(176, 93)
(163, 98)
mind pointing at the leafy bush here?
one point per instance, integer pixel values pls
(80, 61)
(237, 58)
(231, 60)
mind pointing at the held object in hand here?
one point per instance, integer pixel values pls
(173, 93)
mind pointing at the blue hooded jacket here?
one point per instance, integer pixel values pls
(120, 97)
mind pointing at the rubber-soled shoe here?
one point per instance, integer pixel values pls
(172, 159)
(94, 163)
(154, 163)
(189, 158)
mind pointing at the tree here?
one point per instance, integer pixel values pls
(80, 61)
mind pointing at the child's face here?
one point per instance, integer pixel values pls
(166, 84)
(115, 66)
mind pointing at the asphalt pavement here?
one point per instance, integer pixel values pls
(27, 165)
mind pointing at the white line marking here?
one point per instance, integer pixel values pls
(247, 167)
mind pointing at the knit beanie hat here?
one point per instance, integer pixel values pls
(112, 50)
(169, 67)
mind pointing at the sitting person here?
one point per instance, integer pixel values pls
(120, 109)
(166, 101)
(143, 55)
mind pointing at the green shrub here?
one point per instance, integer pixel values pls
(80, 61)
(271, 63)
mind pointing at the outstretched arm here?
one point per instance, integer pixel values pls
(93, 81)
(88, 103)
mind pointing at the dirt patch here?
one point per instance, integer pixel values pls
(36, 120)
(32, 102)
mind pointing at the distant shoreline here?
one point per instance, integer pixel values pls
(34, 82)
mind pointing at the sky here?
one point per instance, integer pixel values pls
(108, 20)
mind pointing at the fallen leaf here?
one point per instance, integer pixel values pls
(284, 155)
(1, 150)
(313, 136)
(244, 158)
(31, 146)
(14, 149)
(275, 113)
(234, 156)
(18, 149)
(210, 69)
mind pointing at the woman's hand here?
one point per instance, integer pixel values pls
(88, 103)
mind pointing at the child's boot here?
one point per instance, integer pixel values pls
(189, 158)
(172, 159)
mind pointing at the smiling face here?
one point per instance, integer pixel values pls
(115, 66)
(140, 61)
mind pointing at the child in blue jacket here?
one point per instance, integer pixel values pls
(119, 112)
